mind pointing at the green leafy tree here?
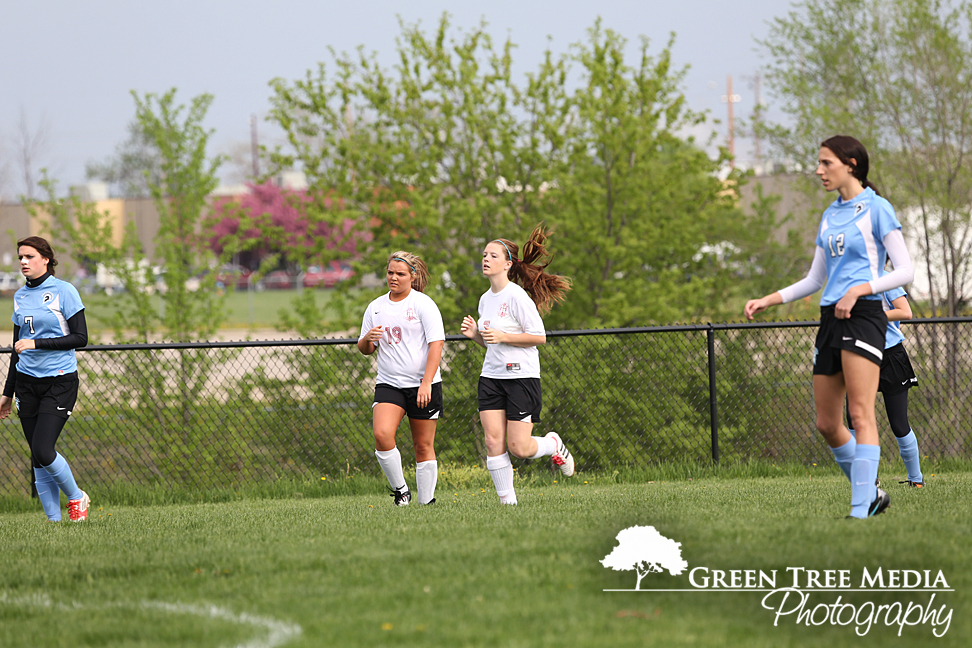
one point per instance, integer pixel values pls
(639, 208)
(447, 152)
(133, 167)
(439, 156)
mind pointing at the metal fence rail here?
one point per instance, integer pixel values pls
(218, 414)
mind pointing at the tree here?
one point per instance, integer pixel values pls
(270, 221)
(644, 550)
(637, 206)
(30, 146)
(133, 168)
(423, 158)
(447, 152)
(900, 81)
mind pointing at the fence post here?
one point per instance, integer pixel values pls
(713, 405)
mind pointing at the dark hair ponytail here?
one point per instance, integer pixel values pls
(43, 248)
(851, 152)
(530, 272)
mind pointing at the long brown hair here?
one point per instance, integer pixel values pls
(43, 248)
(530, 272)
(851, 152)
(416, 268)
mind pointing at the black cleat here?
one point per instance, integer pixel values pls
(920, 484)
(402, 497)
(880, 503)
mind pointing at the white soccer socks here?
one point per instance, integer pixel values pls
(426, 476)
(546, 446)
(391, 464)
(501, 470)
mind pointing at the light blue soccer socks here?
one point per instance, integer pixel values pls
(864, 471)
(61, 473)
(844, 456)
(908, 446)
(48, 493)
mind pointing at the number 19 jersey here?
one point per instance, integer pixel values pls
(408, 326)
(852, 237)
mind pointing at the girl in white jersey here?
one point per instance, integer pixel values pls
(510, 328)
(49, 325)
(857, 233)
(406, 329)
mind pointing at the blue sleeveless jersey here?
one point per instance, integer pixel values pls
(894, 336)
(852, 237)
(43, 312)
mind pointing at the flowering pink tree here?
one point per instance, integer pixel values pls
(272, 222)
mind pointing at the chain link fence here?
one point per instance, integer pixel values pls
(217, 414)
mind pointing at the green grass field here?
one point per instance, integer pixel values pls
(352, 570)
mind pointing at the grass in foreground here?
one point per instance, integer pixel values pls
(351, 570)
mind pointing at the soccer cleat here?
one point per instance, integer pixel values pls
(78, 509)
(402, 497)
(431, 501)
(880, 504)
(562, 457)
(920, 484)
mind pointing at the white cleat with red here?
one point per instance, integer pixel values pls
(562, 457)
(78, 509)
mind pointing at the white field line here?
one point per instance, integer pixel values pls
(278, 633)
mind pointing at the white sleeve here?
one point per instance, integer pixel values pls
(903, 273)
(810, 284)
(366, 323)
(432, 321)
(526, 313)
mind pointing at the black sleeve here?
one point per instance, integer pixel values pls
(10, 386)
(77, 338)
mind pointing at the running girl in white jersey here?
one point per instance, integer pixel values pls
(49, 325)
(858, 232)
(510, 328)
(406, 329)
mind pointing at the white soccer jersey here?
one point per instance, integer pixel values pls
(511, 310)
(408, 327)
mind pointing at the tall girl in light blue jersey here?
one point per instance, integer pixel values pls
(897, 377)
(858, 233)
(49, 325)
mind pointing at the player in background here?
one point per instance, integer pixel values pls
(857, 233)
(49, 324)
(510, 328)
(897, 377)
(406, 329)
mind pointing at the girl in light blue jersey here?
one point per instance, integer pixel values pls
(897, 377)
(49, 325)
(857, 234)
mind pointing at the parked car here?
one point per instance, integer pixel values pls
(233, 275)
(279, 280)
(328, 276)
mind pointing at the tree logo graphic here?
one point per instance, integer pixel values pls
(644, 550)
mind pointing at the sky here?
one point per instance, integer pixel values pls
(67, 68)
